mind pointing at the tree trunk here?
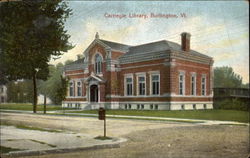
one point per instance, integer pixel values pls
(34, 93)
(45, 102)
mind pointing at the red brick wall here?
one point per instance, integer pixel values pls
(169, 78)
(189, 67)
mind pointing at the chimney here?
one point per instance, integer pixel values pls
(185, 41)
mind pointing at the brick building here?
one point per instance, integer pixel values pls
(161, 75)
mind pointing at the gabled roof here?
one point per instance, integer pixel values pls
(155, 50)
(145, 52)
(76, 65)
(116, 46)
(109, 45)
(95, 78)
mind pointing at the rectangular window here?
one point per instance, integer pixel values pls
(156, 106)
(155, 84)
(181, 84)
(193, 85)
(129, 86)
(203, 86)
(141, 85)
(183, 107)
(205, 106)
(194, 106)
(79, 89)
(151, 106)
(71, 89)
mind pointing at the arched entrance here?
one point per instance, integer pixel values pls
(94, 93)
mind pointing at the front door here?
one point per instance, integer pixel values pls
(94, 93)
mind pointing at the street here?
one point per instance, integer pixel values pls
(145, 138)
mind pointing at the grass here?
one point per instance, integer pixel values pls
(29, 127)
(103, 138)
(221, 115)
(149, 119)
(4, 149)
(29, 107)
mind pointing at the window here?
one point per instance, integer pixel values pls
(205, 106)
(78, 105)
(69, 105)
(79, 89)
(2, 99)
(194, 106)
(156, 106)
(203, 85)
(129, 86)
(181, 84)
(155, 84)
(71, 89)
(138, 106)
(98, 64)
(151, 106)
(183, 107)
(142, 106)
(193, 85)
(141, 85)
(129, 106)
(126, 106)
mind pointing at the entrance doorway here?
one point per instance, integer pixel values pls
(94, 93)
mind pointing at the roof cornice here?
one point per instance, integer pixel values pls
(96, 41)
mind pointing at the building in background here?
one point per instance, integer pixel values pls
(3, 93)
(161, 75)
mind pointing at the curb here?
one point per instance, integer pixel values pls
(63, 150)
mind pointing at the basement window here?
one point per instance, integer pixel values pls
(183, 107)
(156, 106)
(205, 106)
(194, 106)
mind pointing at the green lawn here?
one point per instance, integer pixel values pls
(29, 107)
(222, 115)
(4, 149)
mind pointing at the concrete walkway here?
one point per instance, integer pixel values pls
(30, 142)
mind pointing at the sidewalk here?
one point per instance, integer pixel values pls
(204, 122)
(33, 142)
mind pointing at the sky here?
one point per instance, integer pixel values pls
(218, 28)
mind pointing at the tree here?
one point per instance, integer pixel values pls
(56, 85)
(19, 91)
(31, 32)
(226, 78)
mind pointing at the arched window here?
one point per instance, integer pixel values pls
(98, 64)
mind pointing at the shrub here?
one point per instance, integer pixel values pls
(234, 103)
